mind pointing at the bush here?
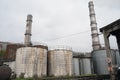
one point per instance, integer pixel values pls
(22, 75)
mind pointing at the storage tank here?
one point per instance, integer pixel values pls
(117, 58)
(76, 66)
(100, 61)
(31, 61)
(85, 65)
(82, 64)
(5, 72)
(60, 61)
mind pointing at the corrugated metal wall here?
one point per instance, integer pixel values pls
(82, 64)
(118, 58)
(86, 66)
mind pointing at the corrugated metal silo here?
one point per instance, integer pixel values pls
(60, 62)
(31, 61)
(118, 58)
(100, 61)
(86, 64)
(82, 63)
(76, 66)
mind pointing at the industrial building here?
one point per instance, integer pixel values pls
(105, 60)
(11, 51)
(3, 47)
(82, 63)
(31, 60)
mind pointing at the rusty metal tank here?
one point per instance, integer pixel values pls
(5, 72)
(31, 61)
(60, 61)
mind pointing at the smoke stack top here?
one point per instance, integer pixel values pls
(29, 17)
(90, 3)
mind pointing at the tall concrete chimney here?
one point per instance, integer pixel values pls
(93, 24)
(28, 34)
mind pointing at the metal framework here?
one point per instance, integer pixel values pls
(111, 29)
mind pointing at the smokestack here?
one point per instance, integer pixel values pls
(93, 24)
(28, 34)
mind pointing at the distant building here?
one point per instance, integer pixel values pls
(11, 51)
(8, 50)
(3, 46)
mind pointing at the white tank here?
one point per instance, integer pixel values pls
(60, 62)
(31, 61)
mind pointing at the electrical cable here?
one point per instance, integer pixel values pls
(67, 36)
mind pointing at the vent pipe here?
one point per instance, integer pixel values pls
(93, 24)
(28, 34)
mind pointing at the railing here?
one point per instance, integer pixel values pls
(60, 47)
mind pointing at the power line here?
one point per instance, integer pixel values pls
(67, 36)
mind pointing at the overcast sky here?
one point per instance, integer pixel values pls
(56, 22)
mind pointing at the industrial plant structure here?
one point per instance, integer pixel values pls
(82, 63)
(28, 34)
(104, 59)
(3, 47)
(60, 62)
(112, 29)
(31, 60)
(93, 24)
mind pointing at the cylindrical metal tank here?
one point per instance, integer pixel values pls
(31, 61)
(100, 61)
(60, 62)
(82, 64)
(85, 66)
(76, 66)
(117, 58)
(5, 72)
